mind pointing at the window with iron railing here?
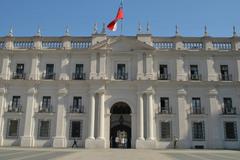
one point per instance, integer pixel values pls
(228, 107)
(77, 106)
(194, 73)
(13, 128)
(121, 73)
(164, 107)
(165, 130)
(16, 105)
(79, 74)
(49, 72)
(76, 129)
(196, 106)
(19, 74)
(163, 72)
(230, 131)
(225, 76)
(44, 129)
(46, 106)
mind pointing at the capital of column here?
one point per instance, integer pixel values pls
(149, 92)
(212, 92)
(32, 91)
(181, 92)
(62, 92)
(101, 91)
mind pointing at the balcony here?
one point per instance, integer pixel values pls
(197, 110)
(165, 110)
(229, 110)
(121, 76)
(195, 77)
(77, 109)
(225, 77)
(19, 75)
(50, 76)
(45, 109)
(16, 108)
(164, 76)
(79, 76)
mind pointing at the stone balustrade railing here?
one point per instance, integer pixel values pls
(160, 43)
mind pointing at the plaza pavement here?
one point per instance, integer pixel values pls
(17, 153)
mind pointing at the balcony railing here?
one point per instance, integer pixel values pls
(15, 108)
(79, 76)
(49, 76)
(23, 44)
(2, 44)
(19, 75)
(165, 110)
(164, 76)
(229, 110)
(193, 45)
(197, 110)
(195, 77)
(77, 109)
(45, 109)
(226, 77)
(121, 76)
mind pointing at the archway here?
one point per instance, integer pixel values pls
(120, 126)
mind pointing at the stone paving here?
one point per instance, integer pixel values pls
(14, 153)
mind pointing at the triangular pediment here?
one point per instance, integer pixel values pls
(122, 44)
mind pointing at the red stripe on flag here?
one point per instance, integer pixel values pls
(112, 25)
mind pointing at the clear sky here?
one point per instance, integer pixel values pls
(53, 15)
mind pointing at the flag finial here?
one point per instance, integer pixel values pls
(103, 28)
(205, 31)
(139, 28)
(177, 30)
(67, 33)
(38, 31)
(148, 27)
(234, 31)
(95, 28)
(10, 33)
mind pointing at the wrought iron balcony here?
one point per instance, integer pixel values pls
(229, 110)
(45, 109)
(18, 75)
(16, 108)
(195, 77)
(79, 76)
(165, 110)
(121, 76)
(225, 77)
(49, 76)
(77, 109)
(197, 110)
(164, 76)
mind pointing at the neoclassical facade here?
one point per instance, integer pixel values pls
(120, 91)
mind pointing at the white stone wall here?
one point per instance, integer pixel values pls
(100, 64)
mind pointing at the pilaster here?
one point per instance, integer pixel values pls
(2, 106)
(149, 66)
(93, 66)
(27, 140)
(102, 74)
(181, 75)
(59, 141)
(140, 66)
(212, 75)
(34, 72)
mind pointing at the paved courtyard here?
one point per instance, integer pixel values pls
(115, 154)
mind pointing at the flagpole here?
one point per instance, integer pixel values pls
(121, 4)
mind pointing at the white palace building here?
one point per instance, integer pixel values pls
(106, 91)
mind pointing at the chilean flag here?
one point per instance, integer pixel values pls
(120, 15)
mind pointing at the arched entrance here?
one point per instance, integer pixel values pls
(120, 126)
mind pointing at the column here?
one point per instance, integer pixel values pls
(6, 66)
(101, 116)
(91, 117)
(181, 76)
(182, 119)
(27, 140)
(215, 140)
(211, 73)
(2, 106)
(238, 68)
(34, 72)
(140, 66)
(64, 67)
(140, 117)
(149, 116)
(93, 66)
(60, 138)
(102, 73)
(149, 66)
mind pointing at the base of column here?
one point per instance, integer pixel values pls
(91, 143)
(26, 141)
(1, 140)
(59, 142)
(100, 143)
(145, 144)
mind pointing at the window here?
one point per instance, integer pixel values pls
(224, 73)
(230, 130)
(50, 71)
(163, 70)
(46, 104)
(79, 72)
(76, 129)
(165, 130)
(77, 105)
(44, 129)
(20, 68)
(121, 72)
(164, 102)
(198, 131)
(196, 105)
(16, 104)
(12, 131)
(194, 72)
(228, 108)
